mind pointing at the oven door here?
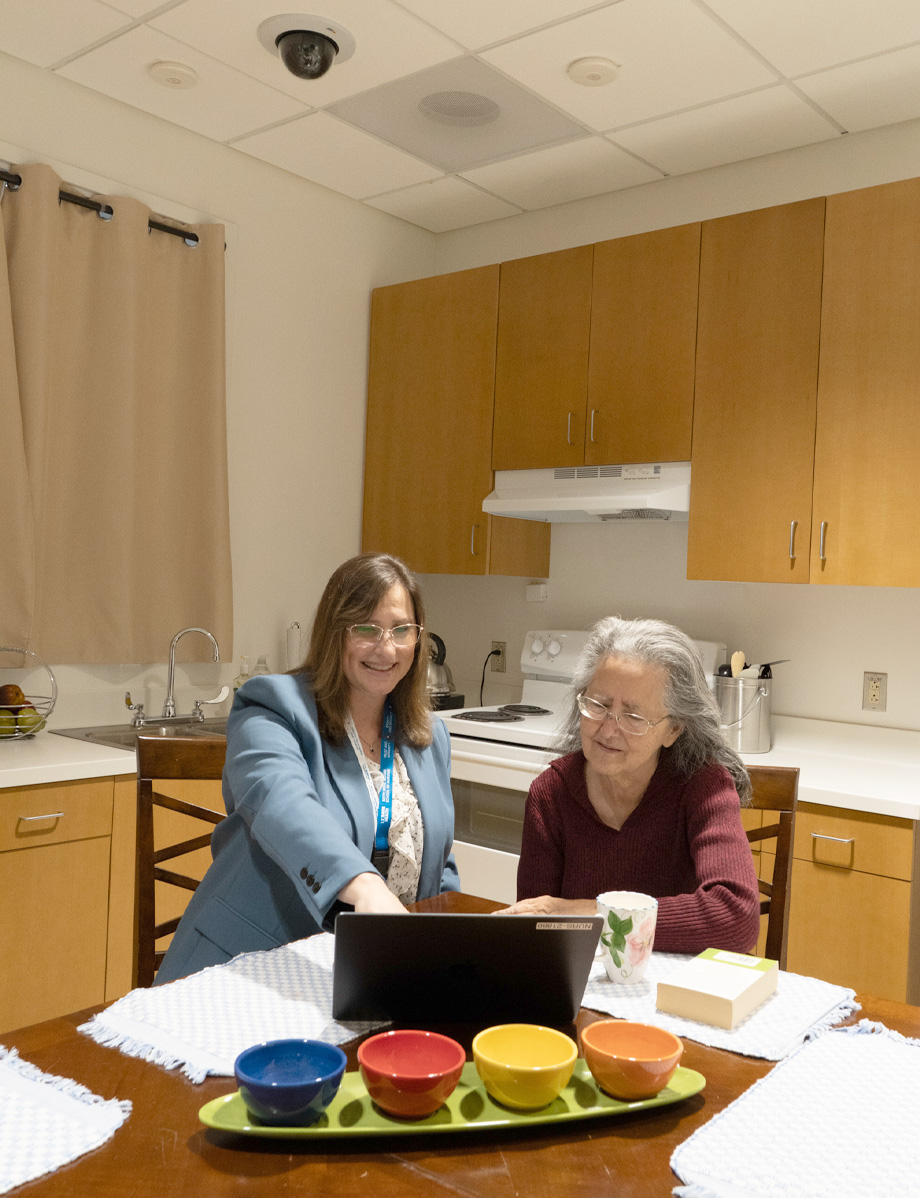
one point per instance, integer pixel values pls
(490, 781)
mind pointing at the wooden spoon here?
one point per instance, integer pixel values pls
(737, 663)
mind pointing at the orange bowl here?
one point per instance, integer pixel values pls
(630, 1061)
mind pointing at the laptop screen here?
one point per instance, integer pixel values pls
(443, 968)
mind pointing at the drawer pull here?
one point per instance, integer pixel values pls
(835, 839)
(28, 819)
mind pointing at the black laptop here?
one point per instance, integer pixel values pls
(478, 968)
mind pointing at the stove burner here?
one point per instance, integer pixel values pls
(525, 709)
(499, 716)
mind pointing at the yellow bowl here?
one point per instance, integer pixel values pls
(523, 1065)
(631, 1061)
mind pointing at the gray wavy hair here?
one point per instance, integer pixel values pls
(688, 699)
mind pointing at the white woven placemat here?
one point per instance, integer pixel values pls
(48, 1121)
(837, 1119)
(203, 1022)
(800, 1007)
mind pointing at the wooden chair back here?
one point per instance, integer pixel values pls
(776, 790)
(167, 758)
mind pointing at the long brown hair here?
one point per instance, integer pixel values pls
(350, 597)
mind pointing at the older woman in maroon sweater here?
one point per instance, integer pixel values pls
(647, 796)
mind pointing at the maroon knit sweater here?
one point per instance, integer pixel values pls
(684, 845)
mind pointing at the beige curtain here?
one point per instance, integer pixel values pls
(114, 439)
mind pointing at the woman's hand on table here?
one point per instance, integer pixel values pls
(545, 904)
(368, 893)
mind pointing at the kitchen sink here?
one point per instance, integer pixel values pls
(123, 736)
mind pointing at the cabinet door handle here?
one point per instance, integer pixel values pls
(792, 528)
(593, 412)
(821, 554)
(28, 819)
(568, 430)
(473, 540)
(835, 839)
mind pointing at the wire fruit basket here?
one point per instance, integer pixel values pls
(23, 715)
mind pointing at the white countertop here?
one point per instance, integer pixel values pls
(48, 758)
(852, 766)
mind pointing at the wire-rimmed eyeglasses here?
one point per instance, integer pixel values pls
(403, 636)
(627, 721)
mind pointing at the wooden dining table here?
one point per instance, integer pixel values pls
(163, 1151)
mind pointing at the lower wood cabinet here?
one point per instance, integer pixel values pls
(55, 855)
(851, 900)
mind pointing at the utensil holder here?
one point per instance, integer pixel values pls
(745, 706)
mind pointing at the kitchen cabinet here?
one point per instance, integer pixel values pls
(429, 431)
(595, 358)
(541, 365)
(849, 920)
(55, 849)
(867, 451)
(643, 342)
(755, 406)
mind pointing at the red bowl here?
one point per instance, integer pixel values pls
(410, 1073)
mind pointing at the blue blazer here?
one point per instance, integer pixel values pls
(299, 827)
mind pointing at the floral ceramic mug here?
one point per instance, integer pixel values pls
(628, 933)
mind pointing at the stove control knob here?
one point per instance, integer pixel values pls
(554, 647)
(536, 646)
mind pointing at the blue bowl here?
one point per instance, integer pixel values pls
(289, 1083)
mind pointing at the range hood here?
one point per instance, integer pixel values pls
(585, 494)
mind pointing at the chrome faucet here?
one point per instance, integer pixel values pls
(169, 707)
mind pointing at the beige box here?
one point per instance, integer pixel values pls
(718, 987)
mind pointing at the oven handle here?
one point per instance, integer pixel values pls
(505, 763)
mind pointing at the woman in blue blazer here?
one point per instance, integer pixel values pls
(303, 776)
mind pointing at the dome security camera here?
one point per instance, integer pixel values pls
(308, 45)
(306, 54)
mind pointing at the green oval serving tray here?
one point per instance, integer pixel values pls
(469, 1108)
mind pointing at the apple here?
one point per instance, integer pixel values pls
(7, 722)
(29, 720)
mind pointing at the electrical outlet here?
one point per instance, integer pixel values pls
(498, 659)
(875, 691)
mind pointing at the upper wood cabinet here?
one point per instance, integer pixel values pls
(643, 342)
(429, 431)
(595, 354)
(541, 368)
(756, 387)
(867, 455)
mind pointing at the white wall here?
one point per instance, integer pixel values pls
(832, 634)
(301, 262)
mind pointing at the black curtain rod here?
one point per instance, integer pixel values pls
(14, 182)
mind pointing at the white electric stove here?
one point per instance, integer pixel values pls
(496, 752)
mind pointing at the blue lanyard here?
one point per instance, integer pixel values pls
(385, 802)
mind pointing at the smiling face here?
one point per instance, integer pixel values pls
(372, 672)
(612, 755)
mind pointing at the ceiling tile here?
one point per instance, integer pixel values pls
(45, 31)
(695, 63)
(389, 43)
(476, 23)
(799, 37)
(445, 204)
(865, 95)
(729, 131)
(344, 159)
(512, 119)
(573, 171)
(137, 8)
(223, 103)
